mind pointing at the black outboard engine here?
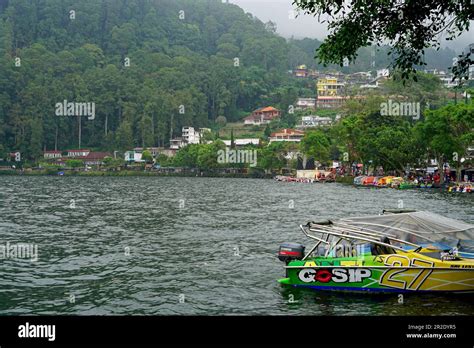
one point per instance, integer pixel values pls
(290, 251)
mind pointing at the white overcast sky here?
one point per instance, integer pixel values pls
(279, 11)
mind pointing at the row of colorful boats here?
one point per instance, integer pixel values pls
(387, 181)
(403, 184)
(396, 251)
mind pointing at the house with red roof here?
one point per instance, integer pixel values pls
(262, 116)
(287, 134)
(95, 158)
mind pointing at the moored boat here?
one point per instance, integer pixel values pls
(370, 181)
(385, 181)
(359, 180)
(403, 251)
(461, 188)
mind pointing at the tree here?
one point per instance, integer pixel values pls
(232, 142)
(187, 156)
(124, 136)
(208, 155)
(316, 144)
(447, 133)
(268, 131)
(409, 27)
(147, 156)
(221, 121)
(72, 163)
(110, 162)
(272, 157)
(146, 130)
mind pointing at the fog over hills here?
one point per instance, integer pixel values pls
(280, 12)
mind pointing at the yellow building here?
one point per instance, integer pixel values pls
(329, 87)
(329, 92)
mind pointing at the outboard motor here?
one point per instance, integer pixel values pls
(291, 251)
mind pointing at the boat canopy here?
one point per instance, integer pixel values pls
(417, 227)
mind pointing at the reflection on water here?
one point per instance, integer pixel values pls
(206, 246)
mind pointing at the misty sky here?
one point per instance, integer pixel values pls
(280, 11)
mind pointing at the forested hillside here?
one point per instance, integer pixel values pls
(208, 57)
(150, 67)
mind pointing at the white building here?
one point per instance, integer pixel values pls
(78, 153)
(243, 142)
(370, 85)
(189, 136)
(305, 103)
(314, 121)
(177, 143)
(448, 82)
(133, 156)
(383, 73)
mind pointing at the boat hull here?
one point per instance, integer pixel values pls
(392, 273)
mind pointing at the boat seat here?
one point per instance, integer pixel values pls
(377, 249)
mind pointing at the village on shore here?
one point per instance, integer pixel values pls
(312, 113)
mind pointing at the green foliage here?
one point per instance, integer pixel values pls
(163, 160)
(316, 144)
(448, 132)
(268, 131)
(110, 162)
(272, 157)
(396, 142)
(203, 156)
(72, 163)
(174, 62)
(147, 156)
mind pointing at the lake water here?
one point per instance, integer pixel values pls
(205, 246)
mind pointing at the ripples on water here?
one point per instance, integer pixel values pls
(142, 245)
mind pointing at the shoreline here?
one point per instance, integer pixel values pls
(131, 173)
(345, 180)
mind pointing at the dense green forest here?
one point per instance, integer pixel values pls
(150, 67)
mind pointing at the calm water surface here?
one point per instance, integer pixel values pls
(205, 246)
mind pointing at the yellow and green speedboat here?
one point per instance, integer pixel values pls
(402, 251)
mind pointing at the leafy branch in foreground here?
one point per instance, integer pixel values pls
(408, 26)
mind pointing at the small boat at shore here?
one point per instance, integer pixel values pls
(461, 188)
(283, 178)
(398, 251)
(385, 181)
(358, 180)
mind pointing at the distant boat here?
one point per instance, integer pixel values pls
(61, 173)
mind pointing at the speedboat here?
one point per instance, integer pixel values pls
(370, 181)
(385, 181)
(359, 180)
(398, 251)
